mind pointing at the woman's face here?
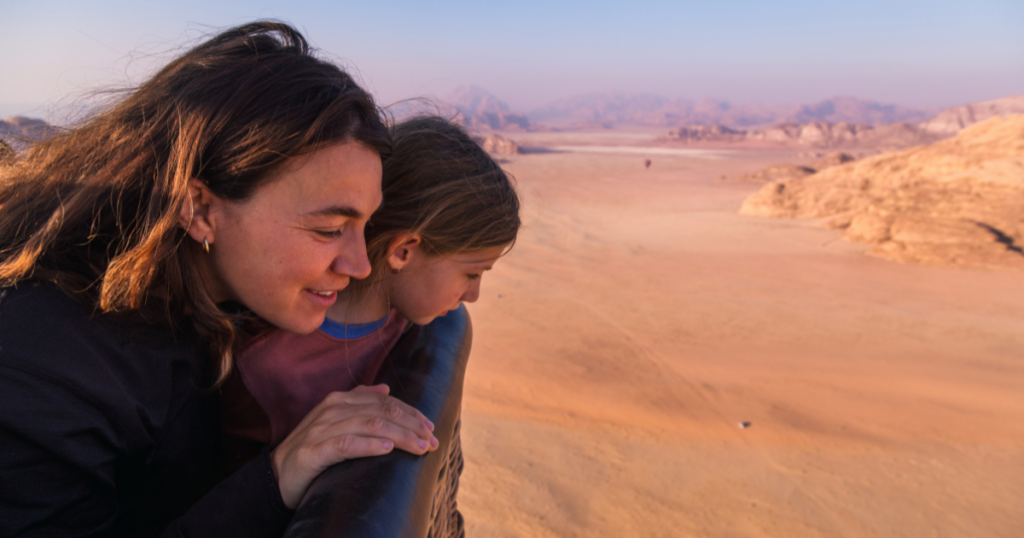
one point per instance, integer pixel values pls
(287, 250)
(431, 286)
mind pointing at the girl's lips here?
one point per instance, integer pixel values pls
(324, 300)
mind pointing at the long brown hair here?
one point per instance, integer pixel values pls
(95, 208)
(442, 185)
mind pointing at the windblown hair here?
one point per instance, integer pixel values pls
(95, 209)
(6, 153)
(439, 183)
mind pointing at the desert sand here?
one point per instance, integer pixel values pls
(640, 319)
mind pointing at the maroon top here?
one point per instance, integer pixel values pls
(282, 376)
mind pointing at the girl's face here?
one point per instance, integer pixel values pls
(432, 286)
(287, 250)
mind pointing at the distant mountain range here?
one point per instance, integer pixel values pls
(481, 110)
(840, 122)
(613, 109)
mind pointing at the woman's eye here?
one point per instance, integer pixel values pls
(329, 234)
(473, 276)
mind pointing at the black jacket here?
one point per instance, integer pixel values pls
(108, 428)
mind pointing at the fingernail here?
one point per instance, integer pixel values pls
(421, 443)
(433, 441)
(430, 425)
(387, 445)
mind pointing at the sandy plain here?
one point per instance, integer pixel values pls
(639, 319)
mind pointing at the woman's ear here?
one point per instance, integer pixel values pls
(195, 217)
(402, 249)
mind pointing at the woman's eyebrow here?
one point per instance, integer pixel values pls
(337, 211)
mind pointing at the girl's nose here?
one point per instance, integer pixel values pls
(473, 293)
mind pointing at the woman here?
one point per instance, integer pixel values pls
(241, 174)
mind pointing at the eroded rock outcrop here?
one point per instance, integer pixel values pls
(952, 120)
(497, 145)
(958, 201)
(778, 172)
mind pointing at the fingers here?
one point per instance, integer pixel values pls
(363, 422)
(376, 413)
(392, 407)
(376, 389)
(378, 429)
(351, 446)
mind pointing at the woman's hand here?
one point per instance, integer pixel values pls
(362, 422)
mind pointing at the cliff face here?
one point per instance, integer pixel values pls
(957, 201)
(952, 120)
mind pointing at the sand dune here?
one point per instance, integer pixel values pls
(640, 319)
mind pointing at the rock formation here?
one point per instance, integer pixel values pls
(957, 201)
(950, 121)
(706, 133)
(818, 134)
(780, 172)
(497, 145)
(19, 132)
(481, 110)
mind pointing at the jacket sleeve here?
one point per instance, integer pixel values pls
(61, 460)
(58, 465)
(247, 503)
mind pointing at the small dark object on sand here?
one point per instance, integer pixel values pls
(647, 163)
(744, 425)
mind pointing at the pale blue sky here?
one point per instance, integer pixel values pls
(914, 53)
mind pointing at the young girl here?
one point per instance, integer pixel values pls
(449, 213)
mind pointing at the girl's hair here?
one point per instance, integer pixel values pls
(95, 208)
(442, 185)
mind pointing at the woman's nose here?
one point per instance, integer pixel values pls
(351, 259)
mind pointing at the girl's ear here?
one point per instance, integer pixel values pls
(402, 249)
(195, 217)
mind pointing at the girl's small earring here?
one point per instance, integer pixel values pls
(396, 271)
(206, 245)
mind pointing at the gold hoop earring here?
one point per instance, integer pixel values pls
(206, 245)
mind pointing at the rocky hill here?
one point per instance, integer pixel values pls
(482, 111)
(951, 120)
(19, 132)
(957, 201)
